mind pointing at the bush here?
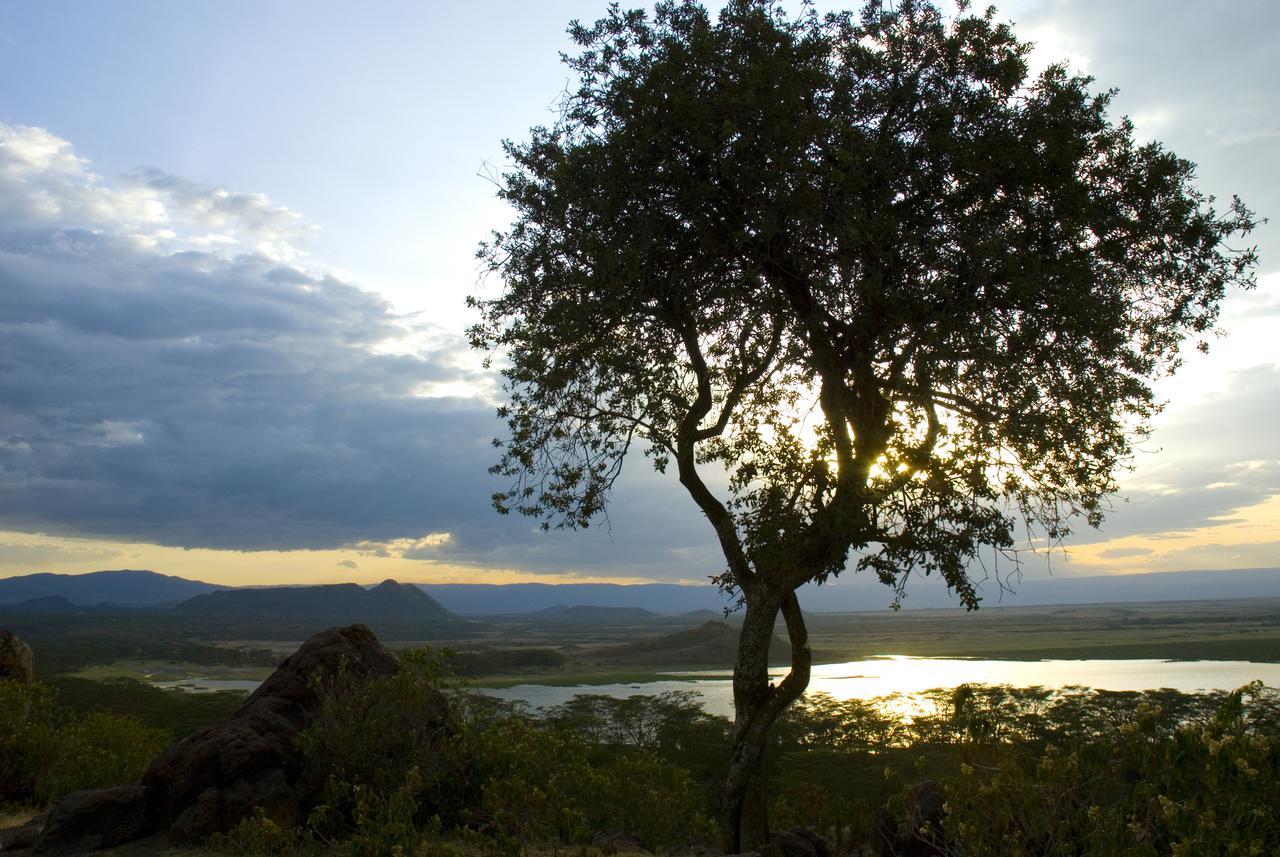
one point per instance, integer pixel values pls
(1142, 786)
(100, 750)
(655, 801)
(383, 756)
(1022, 771)
(47, 750)
(28, 738)
(535, 785)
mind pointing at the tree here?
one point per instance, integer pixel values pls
(908, 298)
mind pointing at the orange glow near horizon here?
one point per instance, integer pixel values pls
(1248, 537)
(23, 553)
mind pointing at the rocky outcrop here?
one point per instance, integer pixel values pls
(22, 837)
(86, 821)
(801, 842)
(208, 782)
(17, 662)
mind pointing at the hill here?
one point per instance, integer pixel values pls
(348, 602)
(594, 611)
(480, 599)
(711, 645)
(128, 587)
(47, 605)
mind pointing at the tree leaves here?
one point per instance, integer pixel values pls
(910, 299)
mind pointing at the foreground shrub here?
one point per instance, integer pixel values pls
(47, 750)
(535, 784)
(651, 799)
(1022, 771)
(1140, 787)
(384, 757)
(28, 738)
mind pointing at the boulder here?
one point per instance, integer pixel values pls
(801, 842)
(22, 836)
(616, 842)
(210, 781)
(81, 822)
(17, 662)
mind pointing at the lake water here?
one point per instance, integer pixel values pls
(899, 674)
(209, 685)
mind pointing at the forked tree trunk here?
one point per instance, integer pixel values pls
(757, 704)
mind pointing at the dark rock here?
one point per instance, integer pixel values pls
(86, 821)
(916, 835)
(702, 846)
(212, 780)
(17, 662)
(23, 836)
(801, 842)
(220, 775)
(613, 841)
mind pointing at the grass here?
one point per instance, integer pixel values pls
(585, 677)
(158, 670)
(1236, 630)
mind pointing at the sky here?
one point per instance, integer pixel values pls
(236, 240)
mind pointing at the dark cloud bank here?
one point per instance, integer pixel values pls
(154, 390)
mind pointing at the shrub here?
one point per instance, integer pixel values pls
(384, 754)
(28, 730)
(535, 784)
(47, 750)
(100, 750)
(653, 800)
(1142, 789)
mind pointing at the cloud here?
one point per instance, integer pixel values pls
(44, 183)
(1124, 553)
(209, 399)
(31, 556)
(165, 388)
(1204, 460)
(1193, 76)
(348, 563)
(230, 217)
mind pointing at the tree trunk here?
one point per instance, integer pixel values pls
(757, 704)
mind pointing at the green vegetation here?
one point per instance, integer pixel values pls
(1019, 770)
(174, 711)
(65, 644)
(1227, 630)
(48, 749)
(1014, 771)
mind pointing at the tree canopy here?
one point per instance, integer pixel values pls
(974, 276)
(911, 299)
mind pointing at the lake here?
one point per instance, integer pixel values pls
(209, 685)
(899, 674)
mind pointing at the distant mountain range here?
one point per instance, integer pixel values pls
(126, 587)
(487, 599)
(593, 611)
(113, 591)
(133, 589)
(348, 601)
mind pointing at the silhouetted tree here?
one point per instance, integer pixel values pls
(909, 298)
